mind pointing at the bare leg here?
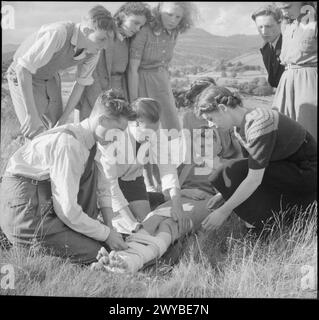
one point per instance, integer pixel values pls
(140, 209)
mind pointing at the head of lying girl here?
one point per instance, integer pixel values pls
(179, 16)
(147, 112)
(131, 17)
(220, 107)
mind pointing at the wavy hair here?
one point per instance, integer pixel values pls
(213, 96)
(136, 8)
(190, 15)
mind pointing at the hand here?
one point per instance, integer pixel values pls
(194, 194)
(184, 223)
(214, 201)
(32, 126)
(115, 241)
(214, 220)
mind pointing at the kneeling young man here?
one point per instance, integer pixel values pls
(49, 189)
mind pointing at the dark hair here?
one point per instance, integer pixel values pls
(190, 14)
(198, 86)
(113, 104)
(101, 18)
(136, 8)
(268, 10)
(212, 97)
(147, 108)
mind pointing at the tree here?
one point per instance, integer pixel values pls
(223, 74)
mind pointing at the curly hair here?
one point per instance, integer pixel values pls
(189, 17)
(213, 96)
(198, 86)
(113, 104)
(136, 8)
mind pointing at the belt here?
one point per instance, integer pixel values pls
(154, 69)
(30, 180)
(297, 66)
(118, 74)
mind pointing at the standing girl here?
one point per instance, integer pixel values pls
(110, 71)
(150, 54)
(296, 95)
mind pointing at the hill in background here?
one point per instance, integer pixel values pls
(196, 47)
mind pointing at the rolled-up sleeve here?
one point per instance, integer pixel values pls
(48, 42)
(65, 173)
(84, 74)
(110, 195)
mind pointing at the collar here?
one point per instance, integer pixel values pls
(86, 133)
(163, 30)
(75, 35)
(274, 43)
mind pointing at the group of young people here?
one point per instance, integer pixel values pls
(64, 176)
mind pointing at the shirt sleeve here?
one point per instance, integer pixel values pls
(40, 53)
(84, 74)
(111, 194)
(138, 44)
(65, 173)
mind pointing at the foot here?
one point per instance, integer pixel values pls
(112, 262)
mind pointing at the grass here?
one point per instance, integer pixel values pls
(220, 264)
(223, 263)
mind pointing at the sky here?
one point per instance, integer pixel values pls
(219, 18)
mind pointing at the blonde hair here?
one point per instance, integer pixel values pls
(190, 15)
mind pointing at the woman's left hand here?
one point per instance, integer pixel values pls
(214, 220)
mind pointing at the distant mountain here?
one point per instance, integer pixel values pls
(199, 45)
(196, 47)
(9, 47)
(253, 58)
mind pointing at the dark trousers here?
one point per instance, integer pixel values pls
(28, 217)
(286, 183)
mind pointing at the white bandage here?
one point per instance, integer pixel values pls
(144, 248)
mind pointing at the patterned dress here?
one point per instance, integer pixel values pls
(155, 52)
(296, 95)
(286, 151)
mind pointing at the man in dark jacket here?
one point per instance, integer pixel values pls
(268, 21)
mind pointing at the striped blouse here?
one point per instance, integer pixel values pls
(267, 135)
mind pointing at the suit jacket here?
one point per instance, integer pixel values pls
(272, 62)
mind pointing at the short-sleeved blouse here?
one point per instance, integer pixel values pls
(154, 49)
(299, 45)
(268, 135)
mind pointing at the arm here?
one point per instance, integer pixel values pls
(32, 124)
(38, 55)
(132, 77)
(83, 78)
(74, 99)
(242, 193)
(67, 166)
(137, 47)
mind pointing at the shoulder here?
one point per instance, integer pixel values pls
(259, 122)
(59, 28)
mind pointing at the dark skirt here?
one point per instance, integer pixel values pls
(286, 183)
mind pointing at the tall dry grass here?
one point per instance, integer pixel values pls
(223, 264)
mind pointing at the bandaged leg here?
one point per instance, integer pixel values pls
(142, 249)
